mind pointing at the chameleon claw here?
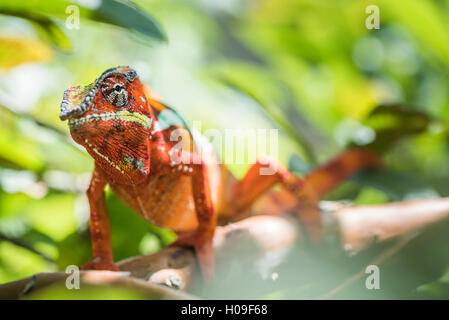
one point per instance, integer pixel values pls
(203, 250)
(205, 256)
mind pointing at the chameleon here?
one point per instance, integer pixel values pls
(170, 175)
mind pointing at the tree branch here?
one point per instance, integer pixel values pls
(251, 239)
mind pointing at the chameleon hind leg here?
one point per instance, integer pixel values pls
(99, 226)
(299, 195)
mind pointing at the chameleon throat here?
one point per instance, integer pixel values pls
(119, 115)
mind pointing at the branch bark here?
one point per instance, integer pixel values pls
(361, 226)
(158, 275)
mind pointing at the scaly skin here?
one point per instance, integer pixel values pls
(179, 185)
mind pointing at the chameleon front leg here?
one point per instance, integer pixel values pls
(207, 221)
(99, 225)
(190, 164)
(201, 239)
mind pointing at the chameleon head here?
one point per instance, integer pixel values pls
(112, 119)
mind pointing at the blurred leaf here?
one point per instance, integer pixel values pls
(17, 262)
(435, 290)
(51, 215)
(32, 240)
(14, 52)
(75, 249)
(438, 289)
(392, 123)
(149, 244)
(426, 20)
(369, 196)
(16, 148)
(396, 185)
(112, 12)
(268, 92)
(129, 17)
(46, 27)
(31, 146)
(50, 31)
(88, 292)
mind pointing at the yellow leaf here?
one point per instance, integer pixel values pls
(14, 52)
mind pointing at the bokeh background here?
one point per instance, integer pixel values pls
(307, 67)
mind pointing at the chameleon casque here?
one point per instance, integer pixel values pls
(128, 132)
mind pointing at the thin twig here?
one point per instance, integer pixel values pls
(386, 254)
(26, 246)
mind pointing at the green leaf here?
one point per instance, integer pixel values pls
(17, 262)
(14, 52)
(75, 249)
(51, 215)
(42, 15)
(395, 184)
(15, 148)
(426, 21)
(435, 290)
(89, 292)
(371, 196)
(51, 32)
(129, 17)
(392, 123)
(46, 27)
(438, 289)
(24, 144)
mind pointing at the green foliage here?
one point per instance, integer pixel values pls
(113, 12)
(39, 215)
(391, 123)
(309, 68)
(123, 219)
(89, 292)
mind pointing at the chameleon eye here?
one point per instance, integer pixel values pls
(115, 94)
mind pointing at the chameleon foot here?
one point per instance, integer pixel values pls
(203, 250)
(185, 239)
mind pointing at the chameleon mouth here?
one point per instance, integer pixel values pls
(122, 115)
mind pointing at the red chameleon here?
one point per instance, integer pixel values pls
(174, 183)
